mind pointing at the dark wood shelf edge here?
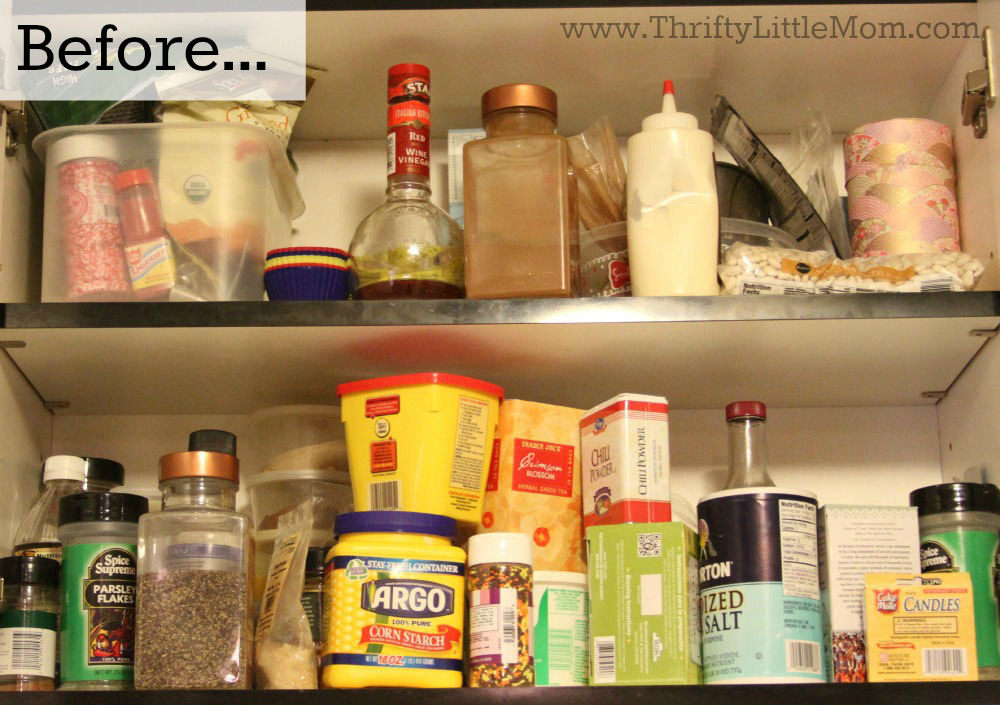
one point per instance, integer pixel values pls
(256, 314)
(966, 693)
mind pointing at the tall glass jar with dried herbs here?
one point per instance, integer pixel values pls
(193, 626)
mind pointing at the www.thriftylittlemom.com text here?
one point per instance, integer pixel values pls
(761, 27)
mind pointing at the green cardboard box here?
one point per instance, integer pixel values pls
(644, 627)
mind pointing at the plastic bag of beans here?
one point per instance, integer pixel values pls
(746, 269)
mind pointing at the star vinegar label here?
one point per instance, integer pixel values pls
(409, 123)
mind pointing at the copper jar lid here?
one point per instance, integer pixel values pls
(199, 463)
(520, 95)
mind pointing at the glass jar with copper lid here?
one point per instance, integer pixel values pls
(521, 236)
(193, 626)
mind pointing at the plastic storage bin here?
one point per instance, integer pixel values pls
(298, 437)
(225, 195)
(274, 493)
(604, 261)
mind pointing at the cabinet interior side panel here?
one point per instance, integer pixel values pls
(20, 227)
(970, 420)
(25, 440)
(977, 165)
(845, 455)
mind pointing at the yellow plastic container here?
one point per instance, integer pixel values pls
(394, 602)
(420, 442)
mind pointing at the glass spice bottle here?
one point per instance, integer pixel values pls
(62, 475)
(29, 609)
(408, 248)
(521, 231)
(312, 593)
(746, 423)
(194, 604)
(500, 610)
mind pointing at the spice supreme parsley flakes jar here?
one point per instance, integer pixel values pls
(395, 595)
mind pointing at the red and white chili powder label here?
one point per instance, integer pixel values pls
(625, 461)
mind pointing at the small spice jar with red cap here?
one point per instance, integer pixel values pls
(193, 628)
(148, 253)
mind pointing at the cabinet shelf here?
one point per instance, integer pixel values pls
(701, 352)
(972, 693)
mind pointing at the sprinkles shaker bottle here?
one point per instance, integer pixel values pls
(500, 581)
(91, 253)
(195, 594)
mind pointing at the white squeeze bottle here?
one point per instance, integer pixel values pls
(673, 207)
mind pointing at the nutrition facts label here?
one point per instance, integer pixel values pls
(470, 444)
(799, 559)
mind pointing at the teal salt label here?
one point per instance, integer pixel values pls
(759, 600)
(98, 612)
(978, 554)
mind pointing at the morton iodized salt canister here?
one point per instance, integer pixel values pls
(759, 587)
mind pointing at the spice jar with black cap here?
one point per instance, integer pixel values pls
(102, 474)
(98, 534)
(194, 603)
(29, 612)
(960, 532)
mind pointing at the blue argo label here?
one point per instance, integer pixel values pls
(408, 598)
(758, 580)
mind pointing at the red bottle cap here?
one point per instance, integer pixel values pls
(741, 409)
(415, 70)
(132, 177)
(668, 87)
(409, 82)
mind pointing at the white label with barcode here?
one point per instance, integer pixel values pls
(604, 659)
(384, 495)
(493, 626)
(390, 154)
(802, 656)
(27, 651)
(508, 624)
(944, 662)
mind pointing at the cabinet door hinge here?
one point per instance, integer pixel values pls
(17, 128)
(979, 92)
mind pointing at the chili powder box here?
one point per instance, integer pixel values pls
(920, 628)
(644, 626)
(626, 461)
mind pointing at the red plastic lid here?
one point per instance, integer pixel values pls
(739, 409)
(380, 383)
(132, 177)
(668, 87)
(410, 70)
